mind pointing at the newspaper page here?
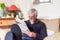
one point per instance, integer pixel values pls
(22, 25)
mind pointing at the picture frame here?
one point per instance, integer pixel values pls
(41, 1)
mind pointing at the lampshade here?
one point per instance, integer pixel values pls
(13, 8)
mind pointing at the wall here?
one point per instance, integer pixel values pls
(7, 2)
(48, 11)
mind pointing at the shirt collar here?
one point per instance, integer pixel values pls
(37, 21)
(31, 22)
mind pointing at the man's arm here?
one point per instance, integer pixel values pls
(41, 35)
(43, 32)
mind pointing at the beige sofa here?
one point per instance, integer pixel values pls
(56, 28)
(56, 36)
(50, 24)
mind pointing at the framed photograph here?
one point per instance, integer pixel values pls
(41, 1)
(45, 1)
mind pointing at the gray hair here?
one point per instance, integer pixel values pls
(33, 11)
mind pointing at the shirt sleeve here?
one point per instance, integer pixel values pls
(43, 32)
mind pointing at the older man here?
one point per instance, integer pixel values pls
(37, 28)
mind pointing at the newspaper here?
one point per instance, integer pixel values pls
(22, 25)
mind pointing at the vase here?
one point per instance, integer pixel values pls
(20, 15)
(1, 13)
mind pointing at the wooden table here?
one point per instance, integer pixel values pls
(6, 22)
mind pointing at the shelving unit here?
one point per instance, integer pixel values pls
(6, 22)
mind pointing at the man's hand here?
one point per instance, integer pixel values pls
(31, 34)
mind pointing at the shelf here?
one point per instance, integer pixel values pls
(7, 18)
(6, 22)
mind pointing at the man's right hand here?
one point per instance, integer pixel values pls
(31, 34)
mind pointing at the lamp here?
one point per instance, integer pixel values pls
(13, 8)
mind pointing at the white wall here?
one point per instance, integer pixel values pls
(7, 2)
(49, 11)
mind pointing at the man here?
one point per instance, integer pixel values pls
(37, 28)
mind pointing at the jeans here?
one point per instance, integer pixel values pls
(26, 37)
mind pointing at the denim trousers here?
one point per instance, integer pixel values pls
(26, 37)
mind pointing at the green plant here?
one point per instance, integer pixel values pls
(2, 6)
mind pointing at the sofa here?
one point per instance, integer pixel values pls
(56, 36)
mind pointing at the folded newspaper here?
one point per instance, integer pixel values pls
(22, 25)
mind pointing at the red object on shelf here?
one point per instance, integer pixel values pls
(13, 8)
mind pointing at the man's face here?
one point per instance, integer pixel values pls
(32, 16)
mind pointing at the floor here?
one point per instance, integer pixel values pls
(3, 33)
